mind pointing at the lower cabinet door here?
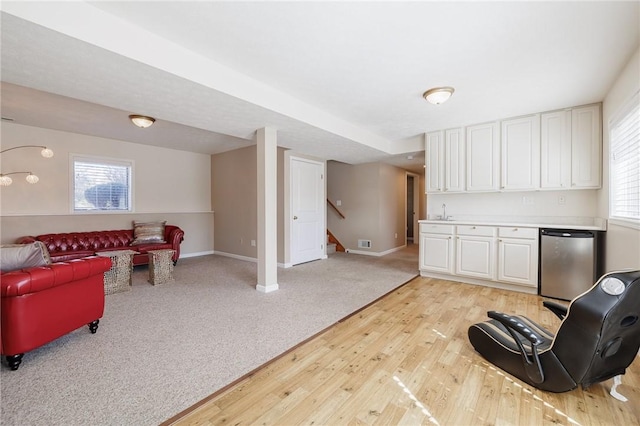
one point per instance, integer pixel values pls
(436, 253)
(517, 261)
(475, 257)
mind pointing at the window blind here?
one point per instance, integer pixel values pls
(101, 186)
(624, 162)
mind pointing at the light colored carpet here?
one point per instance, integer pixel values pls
(161, 349)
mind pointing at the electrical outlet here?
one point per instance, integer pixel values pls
(338, 203)
(561, 199)
(527, 200)
(253, 243)
(396, 235)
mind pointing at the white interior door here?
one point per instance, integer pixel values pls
(308, 235)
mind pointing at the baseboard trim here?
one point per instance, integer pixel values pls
(481, 282)
(267, 288)
(249, 259)
(376, 253)
(237, 256)
(196, 254)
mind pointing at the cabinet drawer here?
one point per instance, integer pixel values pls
(434, 228)
(481, 231)
(517, 232)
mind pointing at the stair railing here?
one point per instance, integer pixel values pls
(336, 209)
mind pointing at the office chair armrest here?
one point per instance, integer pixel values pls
(556, 308)
(531, 362)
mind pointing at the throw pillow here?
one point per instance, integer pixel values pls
(20, 256)
(148, 232)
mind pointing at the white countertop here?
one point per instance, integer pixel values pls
(583, 223)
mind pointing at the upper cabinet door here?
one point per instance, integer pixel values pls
(520, 152)
(586, 147)
(454, 160)
(555, 150)
(483, 157)
(434, 147)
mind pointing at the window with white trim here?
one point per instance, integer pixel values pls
(101, 184)
(624, 163)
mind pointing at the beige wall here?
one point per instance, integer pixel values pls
(623, 243)
(235, 202)
(373, 201)
(393, 194)
(168, 185)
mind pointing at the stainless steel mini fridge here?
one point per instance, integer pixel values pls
(569, 262)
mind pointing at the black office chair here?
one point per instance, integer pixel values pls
(598, 338)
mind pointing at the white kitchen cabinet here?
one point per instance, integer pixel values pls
(518, 255)
(434, 147)
(586, 147)
(475, 251)
(445, 161)
(454, 160)
(520, 153)
(555, 150)
(436, 248)
(483, 157)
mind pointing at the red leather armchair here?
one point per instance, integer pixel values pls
(43, 303)
(76, 245)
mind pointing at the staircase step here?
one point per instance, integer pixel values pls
(331, 248)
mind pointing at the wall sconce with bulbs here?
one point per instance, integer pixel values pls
(5, 180)
(46, 152)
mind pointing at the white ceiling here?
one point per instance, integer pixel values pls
(339, 80)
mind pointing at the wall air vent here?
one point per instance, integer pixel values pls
(364, 243)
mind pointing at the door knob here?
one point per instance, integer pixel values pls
(295, 218)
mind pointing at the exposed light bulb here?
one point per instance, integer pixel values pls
(5, 181)
(32, 178)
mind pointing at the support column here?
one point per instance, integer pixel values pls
(267, 145)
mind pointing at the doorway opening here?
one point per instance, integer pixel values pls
(412, 206)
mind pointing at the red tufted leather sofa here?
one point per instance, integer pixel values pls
(41, 304)
(76, 245)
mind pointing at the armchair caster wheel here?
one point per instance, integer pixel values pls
(93, 326)
(14, 361)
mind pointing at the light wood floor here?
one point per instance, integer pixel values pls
(406, 360)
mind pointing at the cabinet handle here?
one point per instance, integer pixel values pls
(473, 227)
(515, 229)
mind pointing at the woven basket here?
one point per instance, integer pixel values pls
(118, 278)
(160, 266)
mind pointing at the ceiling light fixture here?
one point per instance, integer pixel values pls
(438, 95)
(142, 121)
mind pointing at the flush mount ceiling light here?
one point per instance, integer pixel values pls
(438, 95)
(142, 121)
